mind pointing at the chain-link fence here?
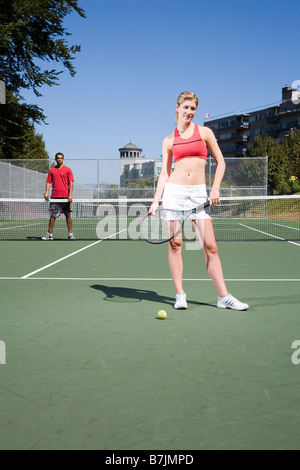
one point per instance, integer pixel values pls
(27, 179)
(106, 178)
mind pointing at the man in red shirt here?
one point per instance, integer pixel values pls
(61, 178)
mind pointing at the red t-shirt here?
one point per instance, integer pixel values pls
(60, 179)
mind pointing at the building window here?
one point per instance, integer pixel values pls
(227, 136)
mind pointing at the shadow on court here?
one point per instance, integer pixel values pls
(128, 295)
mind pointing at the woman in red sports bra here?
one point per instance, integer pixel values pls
(185, 188)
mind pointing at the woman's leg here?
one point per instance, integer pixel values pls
(205, 233)
(176, 263)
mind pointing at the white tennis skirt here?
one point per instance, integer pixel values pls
(186, 197)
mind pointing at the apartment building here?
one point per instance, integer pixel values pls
(236, 132)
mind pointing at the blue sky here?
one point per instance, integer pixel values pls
(138, 56)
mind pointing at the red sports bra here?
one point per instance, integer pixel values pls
(194, 147)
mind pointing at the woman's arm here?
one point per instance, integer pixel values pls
(165, 171)
(211, 142)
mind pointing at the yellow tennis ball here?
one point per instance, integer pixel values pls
(162, 314)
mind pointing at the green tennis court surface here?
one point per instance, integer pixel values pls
(89, 366)
(235, 219)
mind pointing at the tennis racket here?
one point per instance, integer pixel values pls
(56, 209)
(165, 224)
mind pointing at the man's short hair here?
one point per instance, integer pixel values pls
(59, 153)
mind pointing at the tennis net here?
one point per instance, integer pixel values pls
(244, 218)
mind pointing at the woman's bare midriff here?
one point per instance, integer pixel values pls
(188, 171)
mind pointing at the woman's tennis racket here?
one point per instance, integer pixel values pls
(165, 224)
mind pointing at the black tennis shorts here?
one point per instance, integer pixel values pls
(65, 207)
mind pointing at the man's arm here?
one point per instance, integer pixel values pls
(71, 184)
(48, 186)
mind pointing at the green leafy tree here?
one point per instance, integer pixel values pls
(140, 183)
(32, 33)
(250, 172)
(18, 138)
(293, 148)
(278, 162)
(145, 185)
(34, 147)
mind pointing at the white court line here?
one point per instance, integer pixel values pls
(269, 235)
(19, 226)
(136, 279)
(68, 256)
(286, 226)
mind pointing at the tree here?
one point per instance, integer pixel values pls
(34, 146)
(32, 32)
(140, 183)
(294, 152)
(250, 172)
(18, 138)
(283, 161)
(33, 29)
(278, 162)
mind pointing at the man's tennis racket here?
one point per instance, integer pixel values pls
(56, 209)
(165, 224)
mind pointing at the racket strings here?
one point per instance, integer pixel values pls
(161, 226)
(56, 209)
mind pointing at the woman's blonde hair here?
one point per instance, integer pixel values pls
(186, 95)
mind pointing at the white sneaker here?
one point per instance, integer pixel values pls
(180, 303)
(47, 237)
(231, 302)
(71, 236)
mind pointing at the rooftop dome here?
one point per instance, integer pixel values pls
(130, 150)
(130, 146)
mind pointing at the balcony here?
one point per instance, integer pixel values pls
(242, 125)
(241, 151)
(242, 139)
